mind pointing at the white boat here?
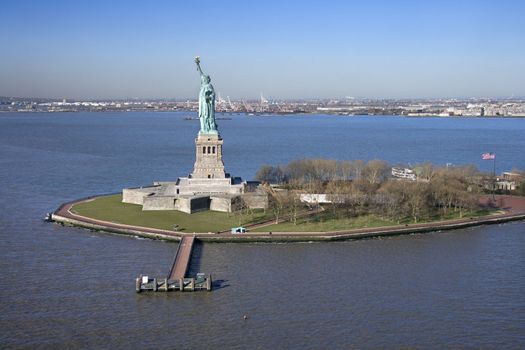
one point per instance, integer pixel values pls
(404, 173)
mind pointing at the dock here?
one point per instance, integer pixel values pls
(177, 279)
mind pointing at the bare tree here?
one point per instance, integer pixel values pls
(417, 198)
(425, 171)
(345, 170)
(376, 171)
(356, 188)
(278, 201)
(394, 199)
(357, 167)
(270, 174)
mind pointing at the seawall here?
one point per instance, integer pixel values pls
(515, 210)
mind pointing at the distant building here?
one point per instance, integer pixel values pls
(404, 173)
(322, 198)
(506, 185)
(508, 181)
(510, 176)
(314, 198)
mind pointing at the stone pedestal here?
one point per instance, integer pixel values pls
(208, 187)
(208, 157)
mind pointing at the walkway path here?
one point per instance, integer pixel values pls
(64, 211)
(182, 258)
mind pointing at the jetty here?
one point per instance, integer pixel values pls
(177, 279)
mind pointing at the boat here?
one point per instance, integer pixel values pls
(404, 173)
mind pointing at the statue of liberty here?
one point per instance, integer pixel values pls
(206, 103)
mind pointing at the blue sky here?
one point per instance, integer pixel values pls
(285, 49)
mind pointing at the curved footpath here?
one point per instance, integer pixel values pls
(513, 207)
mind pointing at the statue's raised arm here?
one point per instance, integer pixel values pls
(198, 62)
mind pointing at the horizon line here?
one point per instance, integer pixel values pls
(184, 99)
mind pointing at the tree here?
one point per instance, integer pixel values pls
(278, 201)
(293, 204)
(357, 167)
(417, 199)
(344, 170)
(425, 171)
(270, 174)
(339, 192)
(376, 171)
(239, 210)
(356, 188)
(394, 199)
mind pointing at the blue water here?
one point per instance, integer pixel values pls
(72, 288)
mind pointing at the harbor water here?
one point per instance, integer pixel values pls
(72, 288)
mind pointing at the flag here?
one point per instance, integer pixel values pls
(488, 156)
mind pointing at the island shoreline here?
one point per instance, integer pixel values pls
(515, 212)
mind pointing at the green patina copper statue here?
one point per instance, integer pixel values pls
(206, 103)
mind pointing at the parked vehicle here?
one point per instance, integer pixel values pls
(237, 230)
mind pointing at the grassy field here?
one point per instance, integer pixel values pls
(111, 208)
(324, 222)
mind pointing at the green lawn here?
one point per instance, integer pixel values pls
(325, 222)
(111, 208)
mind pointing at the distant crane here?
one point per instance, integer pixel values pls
(263, 100)
(220, 100)
(263, 104)
(230, 102)
(247, 106)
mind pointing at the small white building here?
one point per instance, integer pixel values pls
(314, 198)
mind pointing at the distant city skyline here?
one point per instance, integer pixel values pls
(373, 49)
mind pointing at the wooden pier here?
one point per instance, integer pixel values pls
(177, 279)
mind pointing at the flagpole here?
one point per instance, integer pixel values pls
(492, 156)
(494, 179)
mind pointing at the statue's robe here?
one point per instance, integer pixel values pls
(207, 108)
